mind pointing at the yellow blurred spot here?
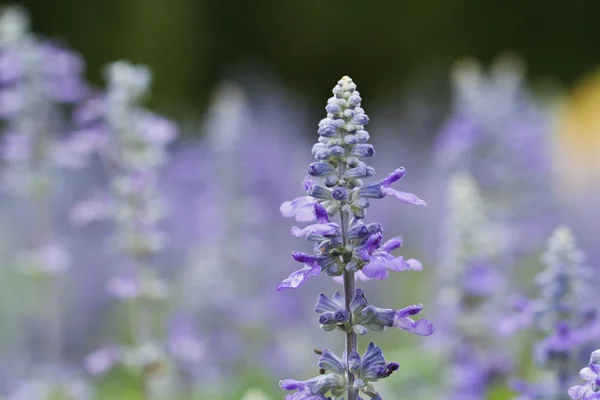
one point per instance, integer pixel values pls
(577, 150)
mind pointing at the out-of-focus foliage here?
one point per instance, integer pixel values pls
(193, 44)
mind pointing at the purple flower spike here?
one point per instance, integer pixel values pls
(403, 321)
(348, 250)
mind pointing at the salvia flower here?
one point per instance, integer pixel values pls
(134, 150)
(347, 250)
(37, 79)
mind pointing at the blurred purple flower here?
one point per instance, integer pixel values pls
(102, 360)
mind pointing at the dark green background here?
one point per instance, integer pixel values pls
(309, 44)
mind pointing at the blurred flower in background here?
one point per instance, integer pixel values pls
(199, 194)
(499, 135)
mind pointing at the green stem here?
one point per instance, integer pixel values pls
(349, 289)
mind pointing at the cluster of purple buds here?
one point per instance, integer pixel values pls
(564, 312)
(590, 390)
(366, 369)
(347, 250)
(363, 317)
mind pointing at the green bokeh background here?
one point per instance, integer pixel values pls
(308, 44)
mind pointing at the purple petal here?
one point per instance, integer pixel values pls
(414, 265)
(409, 311)
(404, 197)
(315, 229)
(421, 327)
(304, 258)
(392, 244)
(301, 208)
(321, 214)
(579, 391)
(291, 384)
(399, 264)
(299, 277)
(376, 269)
(393, 177)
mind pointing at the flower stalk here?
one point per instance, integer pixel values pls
(349, 289)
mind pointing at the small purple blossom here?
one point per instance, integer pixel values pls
(403, 321)
(591, 375)
(383, 189)
(311, 269)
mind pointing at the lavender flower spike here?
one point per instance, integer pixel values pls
(468, 310)
(347, 249)
(562, 315)
(37, 77)
(135, 150)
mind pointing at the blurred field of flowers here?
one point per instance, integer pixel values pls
(141, 254)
